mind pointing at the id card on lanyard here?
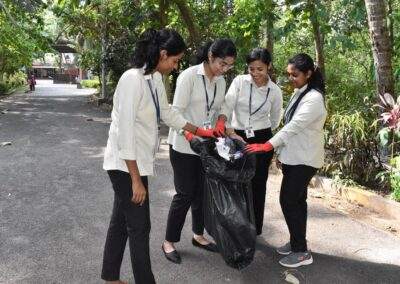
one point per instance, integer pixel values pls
(154, 95)
(207, 123)
(249, 128)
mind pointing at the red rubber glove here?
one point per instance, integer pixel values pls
(209, 133)
(219, 129)
(189, 136)
(257, 148)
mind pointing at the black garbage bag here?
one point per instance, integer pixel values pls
(228, 203)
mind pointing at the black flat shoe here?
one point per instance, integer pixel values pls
(172, 256)
(210, 247)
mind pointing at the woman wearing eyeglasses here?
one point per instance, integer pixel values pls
(253, 105)
(199, 93)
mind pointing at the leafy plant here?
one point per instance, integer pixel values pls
(390, 136)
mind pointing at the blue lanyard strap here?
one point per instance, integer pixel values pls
(250, 100)
(215, 93)
(155, 101)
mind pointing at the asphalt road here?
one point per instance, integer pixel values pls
(55, 204)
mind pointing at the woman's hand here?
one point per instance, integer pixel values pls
(208, 133)
(237, 137)
(259, 148)
(139, 193)
(219, 129)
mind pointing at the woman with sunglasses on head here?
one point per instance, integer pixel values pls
(140, 102)
(300, 148)
(199, 93)
(253, 105)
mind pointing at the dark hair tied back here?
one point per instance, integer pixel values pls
(151, 42)
(221, 48)
(304, 63)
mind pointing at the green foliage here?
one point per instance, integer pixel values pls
(21, 38)
(395, 178)
(91, 83)
(3, 88)
(14, 81)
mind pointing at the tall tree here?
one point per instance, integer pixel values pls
(381, 45)
(187, 16)
(318, 36)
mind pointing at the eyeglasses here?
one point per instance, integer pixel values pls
(224, 65)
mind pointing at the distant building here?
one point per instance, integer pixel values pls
(61, 67)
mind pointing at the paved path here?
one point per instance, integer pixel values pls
(55, 203)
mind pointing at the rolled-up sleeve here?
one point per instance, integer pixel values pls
(310, 109)
(276, 110)
(130, 92)
(172, 115)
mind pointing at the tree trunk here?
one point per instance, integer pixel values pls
(269, 36)
(318, 37)
(163, 4)
(187, 17)
(381, 47)
(391, 24)
(104, 42)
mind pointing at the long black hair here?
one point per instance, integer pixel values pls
(261, 54)
(151, 42)
(304, 63)
(220, 48)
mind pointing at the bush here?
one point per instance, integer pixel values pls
(95, 84)
(16, 80)
(395, 178)
(3, 88)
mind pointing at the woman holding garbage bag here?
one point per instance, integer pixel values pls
(253, 105)
(199, 93)
(300, 148)
(140, 103)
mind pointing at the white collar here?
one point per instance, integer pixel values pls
(202, 72)
(248, 78)
(302, 89)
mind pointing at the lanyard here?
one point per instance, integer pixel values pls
(155, 101)
(215, 93)
(288, 107)
(250, 100)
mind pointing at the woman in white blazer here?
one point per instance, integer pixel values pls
(253, 108)
(300, 148)
(140, 102)
(199, 93)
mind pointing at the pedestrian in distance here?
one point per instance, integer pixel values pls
(32, 82)
(300, 148)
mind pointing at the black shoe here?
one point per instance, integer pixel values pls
(172, 256)
(210, 247)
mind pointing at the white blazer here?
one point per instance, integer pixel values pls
(133, 131)
(301, 141)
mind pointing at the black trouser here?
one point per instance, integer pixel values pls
(259, 181)
(189, 184)
(128, 220)
(293, 198)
